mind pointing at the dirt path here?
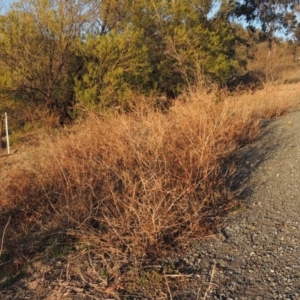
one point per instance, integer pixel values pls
(259, 254)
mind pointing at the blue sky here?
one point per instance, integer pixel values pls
(6, 3)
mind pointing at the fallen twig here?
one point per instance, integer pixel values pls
(3, 235)
(169, 290)
(178, 275)
(213, 271)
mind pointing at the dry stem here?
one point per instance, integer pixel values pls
(3, 235)
(213, 271)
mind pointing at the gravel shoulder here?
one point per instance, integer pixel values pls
(259, 254)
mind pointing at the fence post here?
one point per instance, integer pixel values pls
(7, 137)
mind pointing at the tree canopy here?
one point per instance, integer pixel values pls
(270, 15)
(100, 53)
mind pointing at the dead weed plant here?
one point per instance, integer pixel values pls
(130, 186)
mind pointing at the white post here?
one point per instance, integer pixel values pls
(7, 137)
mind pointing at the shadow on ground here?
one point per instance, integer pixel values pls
(249, 159)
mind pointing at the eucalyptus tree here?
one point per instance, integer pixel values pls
(270, 15)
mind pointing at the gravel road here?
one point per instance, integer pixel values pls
(259, 254)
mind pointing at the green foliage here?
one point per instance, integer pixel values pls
(186, 47)
(36, 49)
(221, 62)
(100, 54)
(168, 46)
(116, 68)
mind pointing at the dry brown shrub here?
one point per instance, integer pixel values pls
(134, 184)
(277, 65)
(141, 178)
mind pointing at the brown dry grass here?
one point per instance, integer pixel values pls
(131, 187)
(277, 66)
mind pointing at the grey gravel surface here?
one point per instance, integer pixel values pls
(257, 253)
